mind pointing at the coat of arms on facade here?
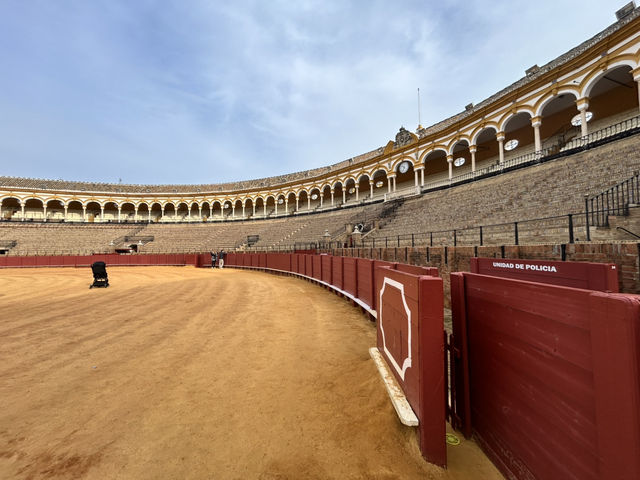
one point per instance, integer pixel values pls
(403, 137)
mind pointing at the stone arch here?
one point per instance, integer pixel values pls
(206, 210)
(93, 211)
(544, 101)
(127, 211)
(143, 212)
(596, 75)
(194, 212)
(248, 204)
(33, 208)
(10, 207)
(182, 211)
(457, 140)
(55, 209)
(110, 211)
(431, 151)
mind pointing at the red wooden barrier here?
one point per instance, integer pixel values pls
(350, 275)
(336, 272)
(409, 332)
(326, 268)
(549, 377)
(317, 267)
(590, 276)
(365, 281)
(376, 264)
(416, 270)
(308, 265)
(300, 261)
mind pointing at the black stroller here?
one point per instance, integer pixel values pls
(100, 278)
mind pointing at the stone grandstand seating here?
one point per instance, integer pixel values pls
(61, 238)
(553, 188)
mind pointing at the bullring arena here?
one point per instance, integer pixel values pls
(257, 370)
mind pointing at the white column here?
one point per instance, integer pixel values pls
(200, 212)
(308, 202)
(84, 213)
(135, 213)
(276, 212)
(233, 211)
(415, 177)
(149, 216)
(500, 138)
(344, 194)
(286, 205)
(450, 162)
(66, 208)
(297, 203)
(102, 212)
(44, 213)
(583, 105)
(536, 122)
(22, 210)
(264, 208)
(422, 176)
(472, 151)
(321, 198)
(388, 184)
(332, 192)
(254, 209)
(243, 210)
(394, 183)
(371, 188)
(357, 192)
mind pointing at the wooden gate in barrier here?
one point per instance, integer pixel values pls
(409, 336)
(548, 377)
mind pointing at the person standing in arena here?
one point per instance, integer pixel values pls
(214, 257)
(221, 256)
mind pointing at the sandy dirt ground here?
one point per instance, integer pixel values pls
(184, 373)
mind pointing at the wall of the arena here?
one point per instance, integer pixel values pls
(177, 259)
(458, 259)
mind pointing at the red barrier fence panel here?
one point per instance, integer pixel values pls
(350, 275)
(230, 259)
(417, 270)
(262, 260)
(326, 268)
(308, 265)
(336, 272)
(553, 377)
(410, 338)
(255, 260)
(590, 276)
(302, 260)
(376, 264)
(366, 286)
(317, 267)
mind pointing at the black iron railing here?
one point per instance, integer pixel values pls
(612, 201)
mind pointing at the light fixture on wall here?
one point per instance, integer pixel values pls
(379, 183)
(314, 196)
(351, 190)
(280, 201)
(458, 162)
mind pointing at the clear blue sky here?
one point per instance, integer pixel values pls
(210, 91)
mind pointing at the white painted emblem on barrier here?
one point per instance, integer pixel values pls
(406, 363)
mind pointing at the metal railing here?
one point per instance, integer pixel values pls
(613, 201)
